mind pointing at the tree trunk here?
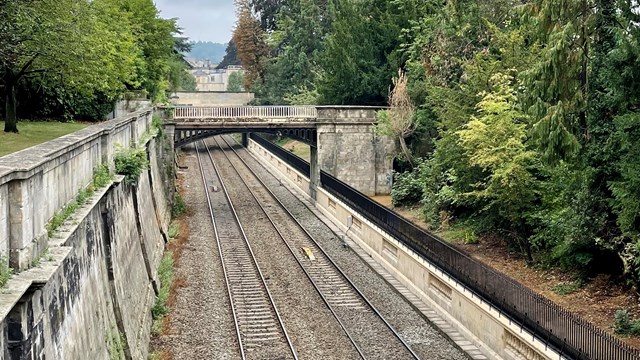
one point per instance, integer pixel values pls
(405, 150)
(11, 119)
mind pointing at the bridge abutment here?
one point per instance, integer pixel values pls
(350, 150)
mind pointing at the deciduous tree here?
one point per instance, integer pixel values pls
(250, 40)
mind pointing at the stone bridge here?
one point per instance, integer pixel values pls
(341, 138)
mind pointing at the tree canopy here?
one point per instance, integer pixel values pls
(75, 58)
(527, 114)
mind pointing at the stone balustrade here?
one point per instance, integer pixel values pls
(190, 113)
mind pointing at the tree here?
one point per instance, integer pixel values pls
(155, 39)
(495, 141)
(236, 79)
(230, 56)
(557, 83)
(359, 60)
(69, 44)
(400, 120)
(267, 11)
(290, 75)
(250, 41)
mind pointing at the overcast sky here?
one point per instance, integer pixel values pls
(204, 20)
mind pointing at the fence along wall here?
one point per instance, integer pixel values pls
(505, 324)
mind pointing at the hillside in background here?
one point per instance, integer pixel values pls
(207, 50)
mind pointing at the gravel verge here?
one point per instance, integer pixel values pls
(427, 341)
(200, 323)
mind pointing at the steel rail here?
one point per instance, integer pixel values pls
(315, 242)
(225, 272)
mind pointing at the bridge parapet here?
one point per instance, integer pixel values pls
(290, 113)
(347, 114)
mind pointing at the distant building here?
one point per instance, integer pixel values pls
(208, 78)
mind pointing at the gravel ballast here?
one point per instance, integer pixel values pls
(201, 325)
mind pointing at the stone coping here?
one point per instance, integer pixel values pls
(18, 284)
(24, 163)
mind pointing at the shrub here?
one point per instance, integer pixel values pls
(624, 325)
(131, 163)
(408, 187)
(101, 176)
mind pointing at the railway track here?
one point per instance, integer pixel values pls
(370, 333)
(260, 330)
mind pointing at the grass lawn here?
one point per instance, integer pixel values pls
(297, 147)
(33, 133)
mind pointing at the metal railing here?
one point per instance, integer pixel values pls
(558, 328)
(245, 112)
(290, 158)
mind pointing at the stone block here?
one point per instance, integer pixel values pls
(4, 222)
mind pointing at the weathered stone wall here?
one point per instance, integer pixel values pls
(96, 282)
(209, 98)
(41, 180)
(349, 149)
(4, 222)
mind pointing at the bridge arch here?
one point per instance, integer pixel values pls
(185, 136)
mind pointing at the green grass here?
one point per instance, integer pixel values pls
(33, 133)
(300, 149)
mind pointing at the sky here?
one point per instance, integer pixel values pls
(201, 20)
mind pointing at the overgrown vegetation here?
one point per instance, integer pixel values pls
(5, 271)
(131, 163)
(166, 269)
(624, 325)
(165, 276)
(527, 114)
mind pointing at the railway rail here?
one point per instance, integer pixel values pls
(260, 330)
(370, 332)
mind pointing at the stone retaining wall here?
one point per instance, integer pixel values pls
(38, 181)
(90, 294)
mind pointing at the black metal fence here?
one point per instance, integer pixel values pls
(296, 162)
(553, 325)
